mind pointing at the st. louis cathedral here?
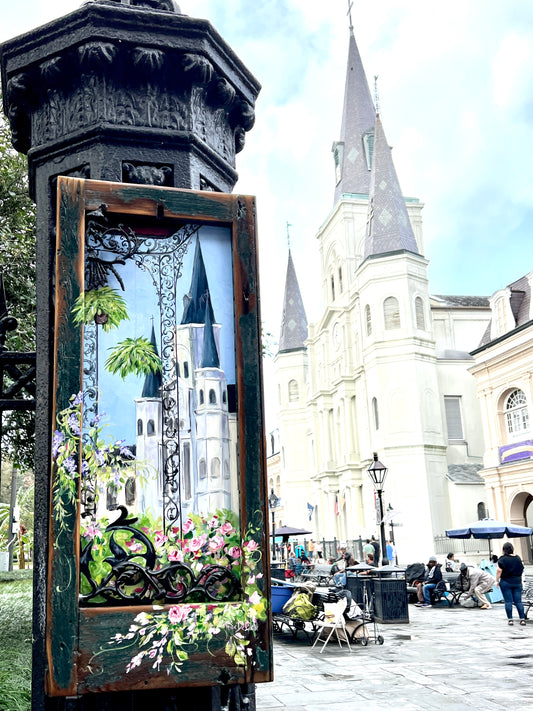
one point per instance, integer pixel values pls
(384, 370)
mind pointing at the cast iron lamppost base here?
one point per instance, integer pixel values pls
(378, 472)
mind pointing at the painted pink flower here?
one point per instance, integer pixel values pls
(187, 526)
(214, 522)
(198, 543)
(235, 552)
(251, 580)
(251, 545)
(226, 528)
(178, 613)
(159, 539)
(176, 555)
(255, 598)
(216, 544)
(134, 546)
(92, 531)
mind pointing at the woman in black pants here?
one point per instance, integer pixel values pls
(509, 578)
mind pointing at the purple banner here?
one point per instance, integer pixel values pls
(518, 450)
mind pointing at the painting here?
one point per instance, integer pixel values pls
(157, 574)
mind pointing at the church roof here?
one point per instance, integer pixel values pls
(358, 118)
(198, 300)
(153, 381)
(389, 228)
(465, 473)
(454, 301)
(210, 357)
(520, 302)
(293, 321)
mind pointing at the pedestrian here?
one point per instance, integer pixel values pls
(391, 553)
(318, 549)
(478, 583)
(509, 578)
(450, 564)
(430, 582)
(368, 548)
(377, 549)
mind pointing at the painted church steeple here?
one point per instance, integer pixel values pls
(153, 381)
(198, 299)
(294, 320)
(353, 152)
(388, 226)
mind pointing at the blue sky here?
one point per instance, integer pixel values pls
(456, 99)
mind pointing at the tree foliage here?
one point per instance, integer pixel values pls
(17, 265)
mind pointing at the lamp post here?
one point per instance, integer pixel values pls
(273, 503)
(377, 472)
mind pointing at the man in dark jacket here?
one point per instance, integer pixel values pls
(433, 578)
(377, 549)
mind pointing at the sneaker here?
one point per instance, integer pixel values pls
(418, 604)
(425, 604)
(523, 623)
(509, 622)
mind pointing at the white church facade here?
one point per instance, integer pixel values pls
(385, 369)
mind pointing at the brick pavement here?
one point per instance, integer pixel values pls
(450, 659)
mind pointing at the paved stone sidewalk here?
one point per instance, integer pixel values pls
(450, 659)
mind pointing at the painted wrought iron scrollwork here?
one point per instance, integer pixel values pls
(135, 579)
(160, 253)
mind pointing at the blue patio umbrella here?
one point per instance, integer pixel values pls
(487, 529)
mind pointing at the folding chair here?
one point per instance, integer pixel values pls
(334, 619)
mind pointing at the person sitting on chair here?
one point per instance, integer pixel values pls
(432, 579)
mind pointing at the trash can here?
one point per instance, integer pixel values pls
(390, 595)
(357, 585)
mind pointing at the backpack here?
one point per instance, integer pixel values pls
(300, 606)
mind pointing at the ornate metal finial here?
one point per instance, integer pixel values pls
(376, 94)
(349, 13)
(288, 235)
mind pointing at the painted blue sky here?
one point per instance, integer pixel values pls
(117, 395)
(456, 100)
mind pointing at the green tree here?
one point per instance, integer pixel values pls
(17, 265)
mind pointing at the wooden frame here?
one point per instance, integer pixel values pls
(82, 657)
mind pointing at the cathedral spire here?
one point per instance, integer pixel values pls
(198, 299)
(353, 153)
(388, 226)
(210, 357)
(293, 321)
(153, 381)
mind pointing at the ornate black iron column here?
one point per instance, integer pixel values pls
(130, 91)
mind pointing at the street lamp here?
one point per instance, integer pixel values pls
(273, 503)
(377, 472)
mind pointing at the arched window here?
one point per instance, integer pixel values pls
(293, 391)
(139, 427)
(129, 491)
(224, 396)
(516, 413)
(185, 369)
(187, 470)
(332, 287)
(201, 397)
(375, 413)
(150, 428)
(212, 397)
(340, 280)
(419, 312)
(368, 320)
(481, 511)
(391, 313)
(226, 469)
(202, 469)
(215, 468)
